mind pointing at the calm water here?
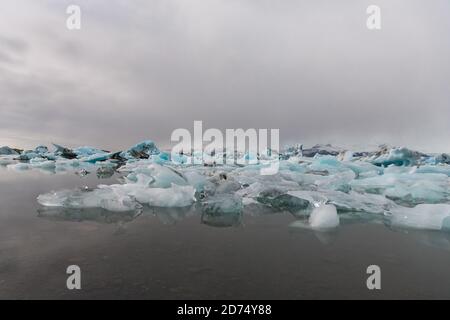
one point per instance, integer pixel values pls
(171, 254)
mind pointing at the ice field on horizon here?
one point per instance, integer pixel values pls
(319, 185)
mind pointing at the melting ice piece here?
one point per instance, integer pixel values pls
(96, 157)
(224, 210)
(8, 151)
(443, 169)
(92, 155)
(157, 176)
(348, 202)
(442, 158)
(141, 150)
(105, 172)
(64, 152)
(282, 201)
(327, 149)
(42, 163)
(293, 151)
(28, 155)
(339, 181)
(108, 199)
(41, 150)
(196, 179)
(422, 216)
(93, 214)
(398, 156)
(324, 217)
(408, 186)
(87, 151)
(175, 196)
(119, 197)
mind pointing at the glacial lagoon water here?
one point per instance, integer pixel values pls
(176, 253)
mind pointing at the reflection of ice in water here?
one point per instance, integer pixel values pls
(222, 211)
(91, 214)
(171, 216)
(440, 240)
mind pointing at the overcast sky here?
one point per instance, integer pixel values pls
(140, 69)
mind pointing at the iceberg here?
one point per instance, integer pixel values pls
(318, 149)
(442, 158)
(422, 216)
(64, 152)
(97, 157)
(105, 172)
(27, 155)
(348, 202)
(175, 196)
(142, 150)
(88, 151)
(106, 197)
(324, 216)
(282, 201)
(406, 187)
(9, 151)
(293, 151)
(42, 163)
(398, 156)
(41, 150)
(117, 197)
(156, 175)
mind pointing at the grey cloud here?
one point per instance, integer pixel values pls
(140, 69)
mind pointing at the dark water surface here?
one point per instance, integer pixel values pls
(171, 254)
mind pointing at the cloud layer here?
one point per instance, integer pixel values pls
(140, 69)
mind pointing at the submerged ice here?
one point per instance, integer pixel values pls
(404, 187)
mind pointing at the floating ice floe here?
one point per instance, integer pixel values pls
(405, 187)
(422, 216)
(142, 150)
(324, 216)
(118, 197)
(8, 151)
(398, 156)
